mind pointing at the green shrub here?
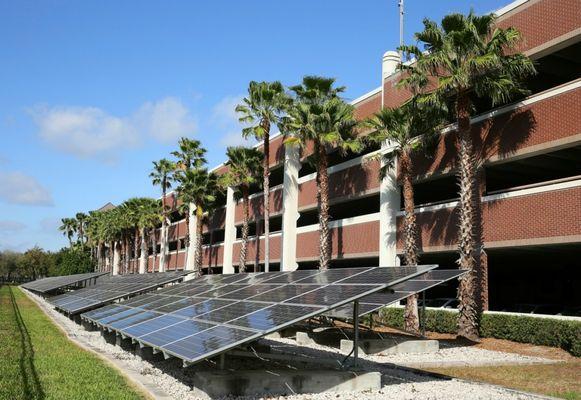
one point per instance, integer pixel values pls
(524, 329)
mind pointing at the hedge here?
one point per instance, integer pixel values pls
(565, 334)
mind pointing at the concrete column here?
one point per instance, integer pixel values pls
(229, 232)
(389, 205)
(163, 249)
(191, 250)
(290, 214)
(143, 255)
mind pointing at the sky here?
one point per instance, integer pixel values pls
(93, 91)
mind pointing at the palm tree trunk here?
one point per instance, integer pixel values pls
(411, 315)
(154, 247)
(116, 258)
(244, 244)
(126, 252)
(323, 203)
(468, 319)
(266, 187)
(199, 255)
(143, 255)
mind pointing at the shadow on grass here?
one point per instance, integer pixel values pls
(31, 388)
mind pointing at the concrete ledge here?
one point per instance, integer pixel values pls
(391, 346)
(283, 382)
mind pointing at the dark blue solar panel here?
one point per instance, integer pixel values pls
(175, 332)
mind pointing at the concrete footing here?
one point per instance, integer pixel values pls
(283, 382)
(391, 346)
(125, 344)
(110, 337)
(88, 326)
(147, 353)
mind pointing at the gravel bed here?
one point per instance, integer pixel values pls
(170, 378)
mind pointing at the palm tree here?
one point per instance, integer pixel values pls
(198, 186)
(68, 228)
(244, 169)
(191, 154)
(93, 234)
(143, 213)
(112, 234)
(162, 175)
(406, 129)
(81, 224)
(469, 56)
(264, 106)
(319, 117)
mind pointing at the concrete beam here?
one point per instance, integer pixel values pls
(389, 346)
(283, 382)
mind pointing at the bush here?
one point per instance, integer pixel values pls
(565, 334)
(76, 260)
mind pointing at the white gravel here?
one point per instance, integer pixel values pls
(169, 377)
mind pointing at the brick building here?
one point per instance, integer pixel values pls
(531, 185)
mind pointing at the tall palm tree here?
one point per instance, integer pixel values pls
(198, 186)
(469, 56)
(191, 154)
(143, 213)
(162, 175)
(81, 224)
(244, 169)
(406, 129)
(319, 117)
(263, 107)
(93, 235)
(68, 228)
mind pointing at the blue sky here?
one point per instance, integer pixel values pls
(93, 92)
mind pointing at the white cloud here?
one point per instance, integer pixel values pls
(8, 226)
(19, 188)
(225, 119)
(49, 225)
(90, 132)
(224, 114)
(235, 139)
(165, 120)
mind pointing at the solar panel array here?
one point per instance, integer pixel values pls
(204, 317)
(52, 283)
(111, 288)
(397, 292)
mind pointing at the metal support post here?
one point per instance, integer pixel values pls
(423, 319)
(355, 331)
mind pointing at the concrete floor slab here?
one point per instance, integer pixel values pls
(284, 382)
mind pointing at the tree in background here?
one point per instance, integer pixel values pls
(468, 55)
(406, 129)
(318, 117)
(35, 263)
(162, 175)
(190, 155)
(68, 227)
(264, 106)
(81, 219)
(198, 186)
(244, 168)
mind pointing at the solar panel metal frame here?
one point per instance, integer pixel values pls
(336, 313)
(59, 282)
(172, 276)
(321, 309)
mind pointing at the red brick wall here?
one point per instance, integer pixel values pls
(542, 21)
(348, 240)
(367, 107)
(213, 256)
(547, 214)
(350, 181)
(275, 250)
(256, 206)
(554, 118)
(538, 21)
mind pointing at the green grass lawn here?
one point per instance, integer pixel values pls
(558, 380)
(37, 361)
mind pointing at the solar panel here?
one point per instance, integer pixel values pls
(396, 293)
(50, 284)
(212, 314)
(109, 289)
